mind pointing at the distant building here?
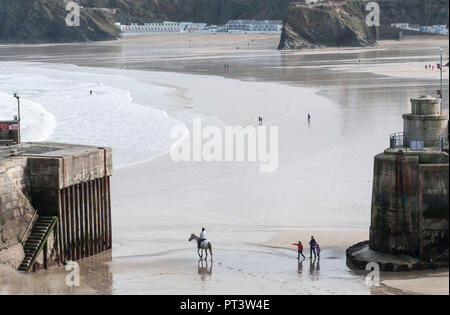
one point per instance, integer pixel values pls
(433, 29)
(260, 26)
(164, 27)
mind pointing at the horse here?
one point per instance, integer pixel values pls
(204, 246)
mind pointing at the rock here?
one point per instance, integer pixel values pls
(359, 255)
(37, 21)
(12, 256)
(345, 25)
(316, 27)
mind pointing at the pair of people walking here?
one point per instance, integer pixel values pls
(314, 248)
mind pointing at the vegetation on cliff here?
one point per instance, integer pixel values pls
(206, 11)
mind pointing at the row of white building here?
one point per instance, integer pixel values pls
(233, 26)
(164, 27)
(433, 29)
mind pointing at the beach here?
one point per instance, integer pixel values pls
(145, 85)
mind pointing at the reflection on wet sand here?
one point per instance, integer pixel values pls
(314, 268)
(95, 278)
(204, 270)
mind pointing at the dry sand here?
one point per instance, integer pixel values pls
(430, 284)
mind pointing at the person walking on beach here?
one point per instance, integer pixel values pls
(300, 249)
(309, 117)
(202, 238)
(260, 121)
(318, 250)
(312, 247)
(90, 93)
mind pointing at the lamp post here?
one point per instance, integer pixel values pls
(18, 117)
(440, 67)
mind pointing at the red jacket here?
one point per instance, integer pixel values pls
(300, 246)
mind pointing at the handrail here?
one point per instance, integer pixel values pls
(400, 140)
(28, 226)
(43, 242)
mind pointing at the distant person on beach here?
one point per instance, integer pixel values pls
(318, 250)
(312, 247)
(90, 93)
(260, 121)
(202, 237)
(426, 68)
(300, 249)
(309, 117)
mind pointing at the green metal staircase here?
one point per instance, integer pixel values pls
(37, 240)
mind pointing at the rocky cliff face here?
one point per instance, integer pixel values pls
(345, 26)
(423, 12)
(207, 11)
(324, 26)
(37, 21)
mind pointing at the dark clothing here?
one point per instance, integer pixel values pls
(199, 242)
(300, 253)
(312, 248)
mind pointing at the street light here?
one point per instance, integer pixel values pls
(18, 117)
(441, 66)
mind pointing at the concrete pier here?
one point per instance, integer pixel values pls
(72, 183)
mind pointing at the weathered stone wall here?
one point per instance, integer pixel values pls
(16, 211)
(410, 203)
(64, 169)
(433, 181)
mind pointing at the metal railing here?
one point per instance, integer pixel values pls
(30, 224)
(26, 149)
(400, 141)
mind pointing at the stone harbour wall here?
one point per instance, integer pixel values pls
(16, 211)
(410, 204)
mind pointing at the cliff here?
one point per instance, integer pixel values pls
(43, 21)
(324, 27)
(206, 11)
(345, 25)
(38, 21)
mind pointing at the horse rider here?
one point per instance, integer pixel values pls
(202, 237)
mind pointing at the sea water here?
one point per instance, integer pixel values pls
(57, 106)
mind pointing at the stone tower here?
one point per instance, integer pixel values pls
(425, 122)
(410, 186)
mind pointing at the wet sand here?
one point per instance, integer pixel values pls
(323, 185)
